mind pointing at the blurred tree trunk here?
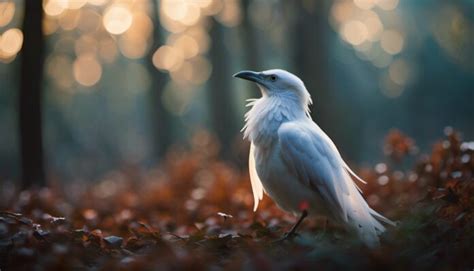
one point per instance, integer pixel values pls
(222, 110)
(312, 36)
(311, 55)
(31, 139)
(250, 39)
(161, 118)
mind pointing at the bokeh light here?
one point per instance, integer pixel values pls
(117, 19)
(392, 42)
(387, 4)
(108, 49)
(75, 4)
(201, 72)
(167, 58)
(134, 42)
(69, 19)
(176, 10)
(202, 38)
(230, 15)
(86, 44)
(364, 24)
(87, 70)
(50, 26)
(374, 26)
(59, 68)
(97, 2)
(11, 42)
(342, 11)
(365, 4)
(355, 32)
(389, 88)
(89, 21)
(193, 13)
(186, 44)
(7, 11)
(54, 7)
(132, 48)
(400, 72)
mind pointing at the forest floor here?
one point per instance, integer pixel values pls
(195, 213)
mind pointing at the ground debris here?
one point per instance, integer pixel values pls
(179, 217)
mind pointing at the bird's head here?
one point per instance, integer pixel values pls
(278, 83)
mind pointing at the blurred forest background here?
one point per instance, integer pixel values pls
(134, 96)
(117, 82)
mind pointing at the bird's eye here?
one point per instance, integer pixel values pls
(273, 78)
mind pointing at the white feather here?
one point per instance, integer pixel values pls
(257, 187)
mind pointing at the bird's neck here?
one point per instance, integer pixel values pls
(266, 116)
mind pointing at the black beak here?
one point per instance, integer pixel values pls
(250, 75)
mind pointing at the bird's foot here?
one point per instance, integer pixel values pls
(292, 233)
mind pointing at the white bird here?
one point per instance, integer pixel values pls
(294, 162)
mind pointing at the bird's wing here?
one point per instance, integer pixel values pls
(257, 187)
(309, 156)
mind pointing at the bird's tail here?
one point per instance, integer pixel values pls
(358, 215)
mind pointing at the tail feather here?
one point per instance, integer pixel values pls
(382, 218)
(360, 217)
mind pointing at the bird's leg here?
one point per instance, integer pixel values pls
(292, 232)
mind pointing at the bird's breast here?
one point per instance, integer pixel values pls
(281, 184)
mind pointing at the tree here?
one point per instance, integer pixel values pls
(222, 108)
(311, 36)
(310, 54)
(161, 118)
(249, 39)
(30, 120)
